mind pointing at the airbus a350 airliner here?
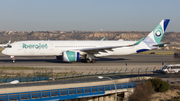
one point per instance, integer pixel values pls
(72, 51)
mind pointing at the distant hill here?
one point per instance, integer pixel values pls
(82, 35)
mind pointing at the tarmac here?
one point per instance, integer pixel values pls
(108, 61)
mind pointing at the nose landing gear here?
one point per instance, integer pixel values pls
(13, 58)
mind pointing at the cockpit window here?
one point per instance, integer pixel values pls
(164, 67)
(9, 46)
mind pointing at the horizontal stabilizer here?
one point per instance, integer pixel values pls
(161, 45)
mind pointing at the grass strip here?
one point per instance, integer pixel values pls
(19, 68)
(159, 53)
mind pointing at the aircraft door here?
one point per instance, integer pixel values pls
(51, 46)
(19, 46)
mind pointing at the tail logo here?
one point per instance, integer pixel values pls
(158, 33)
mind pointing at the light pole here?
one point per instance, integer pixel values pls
(101, 77)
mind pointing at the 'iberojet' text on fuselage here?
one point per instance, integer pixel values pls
(34, 46)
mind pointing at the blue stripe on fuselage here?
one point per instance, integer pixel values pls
(142, 50)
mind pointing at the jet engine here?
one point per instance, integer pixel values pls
(70, 56)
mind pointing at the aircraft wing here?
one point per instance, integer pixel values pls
(96, 50)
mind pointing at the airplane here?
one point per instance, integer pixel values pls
(86, 51)
(5, 45)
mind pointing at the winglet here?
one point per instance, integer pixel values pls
(138, 41)
(102, 39)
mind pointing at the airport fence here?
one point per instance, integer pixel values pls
(116, 74)
(24, 74)
(44, 73)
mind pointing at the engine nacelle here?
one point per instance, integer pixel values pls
(70, 56)
(59, 57)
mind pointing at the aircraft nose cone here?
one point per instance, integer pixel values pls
(4, 51)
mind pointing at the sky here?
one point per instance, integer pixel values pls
(88, 15)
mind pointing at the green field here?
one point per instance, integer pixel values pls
(159, 52)
(1, 49)
(18, 68)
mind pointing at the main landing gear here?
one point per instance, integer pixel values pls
(88, 60)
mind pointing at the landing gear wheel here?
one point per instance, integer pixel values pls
(12, 57)
(83, 60)
(93, 61)
(87, 61)
(166, 72)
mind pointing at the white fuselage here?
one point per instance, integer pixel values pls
(55, 48)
